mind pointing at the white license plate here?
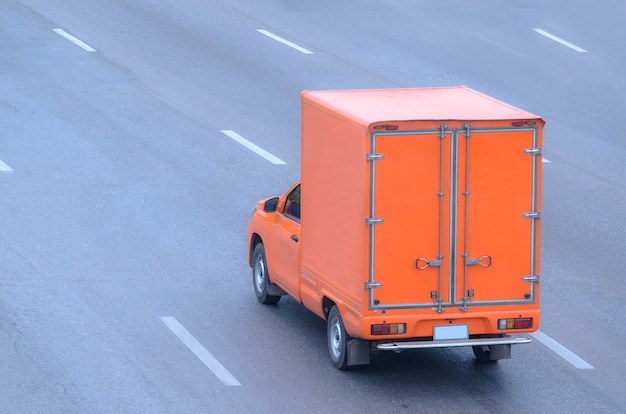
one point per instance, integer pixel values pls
(446, 332)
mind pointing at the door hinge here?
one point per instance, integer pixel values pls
(442, 131)
(372, 156)
(373, 220)
(468, 133)
(532, 151)
(373, 285)
(532, 215)
(531, 278)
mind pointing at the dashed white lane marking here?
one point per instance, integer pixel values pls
(252, 147)
(4, 167)
(201, 352)
(285, 42)
(559, 40)
(561, 351)
(545, 160)
(74, 40)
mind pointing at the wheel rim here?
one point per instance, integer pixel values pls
(336, 338)
(259, 274)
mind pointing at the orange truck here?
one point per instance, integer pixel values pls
(415, 223)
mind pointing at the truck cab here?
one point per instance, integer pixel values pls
(274, 234)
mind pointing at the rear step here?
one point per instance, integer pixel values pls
(401, 346)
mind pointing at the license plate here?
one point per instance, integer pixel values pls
(446, 332)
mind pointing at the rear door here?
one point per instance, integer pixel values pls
(453, 218)
(410, 219)
(497, 230)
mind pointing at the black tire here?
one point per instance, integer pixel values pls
(483, 354)
(337, 339)
(260, 276)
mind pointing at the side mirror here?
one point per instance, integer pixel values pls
(270, 205)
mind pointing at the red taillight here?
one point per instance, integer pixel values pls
(388, 329)
(515, 323)
(523, 323)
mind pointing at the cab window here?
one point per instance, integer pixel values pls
(292, 205)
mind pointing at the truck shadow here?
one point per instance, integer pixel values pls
(421, 377)
(411, 380)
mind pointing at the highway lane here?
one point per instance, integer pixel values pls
(150, 201)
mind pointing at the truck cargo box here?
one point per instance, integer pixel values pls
(422, 199)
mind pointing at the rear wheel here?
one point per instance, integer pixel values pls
(337, 339)
(260, 277)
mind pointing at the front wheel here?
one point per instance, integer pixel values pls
(260, 277)
(337, 339)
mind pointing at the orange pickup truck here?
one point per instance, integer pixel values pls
(415, 223)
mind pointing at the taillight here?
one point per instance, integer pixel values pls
(388, 329)
(515, 323)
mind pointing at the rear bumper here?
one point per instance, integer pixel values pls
(401, 346)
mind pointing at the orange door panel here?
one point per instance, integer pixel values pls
(411, 198)
(283, 254)
(495, 238)
(450, 218)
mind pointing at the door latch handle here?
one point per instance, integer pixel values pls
(422, 263)
(294, 238)
(484, 261)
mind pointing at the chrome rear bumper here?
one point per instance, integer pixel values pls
(401, 346)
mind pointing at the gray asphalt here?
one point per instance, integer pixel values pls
(126, 203)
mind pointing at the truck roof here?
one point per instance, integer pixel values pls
(368, 106)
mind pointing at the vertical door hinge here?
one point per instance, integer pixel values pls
(442, 131)
(372, 156)
(373, 285)
(468, 133)
(532, 215)
(373, 220)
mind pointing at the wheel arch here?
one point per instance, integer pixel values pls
(254, 240)
(351, 318)
(327, 305)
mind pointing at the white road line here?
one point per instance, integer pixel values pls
(285, 42)
(252, 147)
(201, 352)
(561, 351)
(74, 40)
(4, 167)
(545, 160)
(559, 40)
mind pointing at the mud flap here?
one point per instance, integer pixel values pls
(497, 352)
(486, 353)
(275, 290)
(358, 352)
